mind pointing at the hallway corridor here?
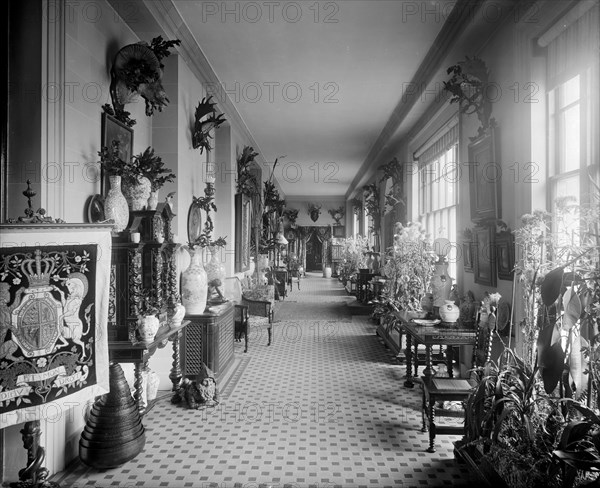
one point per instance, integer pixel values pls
(323, 406)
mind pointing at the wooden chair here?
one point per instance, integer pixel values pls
(453, 389)
(261, 302)
(233, 291)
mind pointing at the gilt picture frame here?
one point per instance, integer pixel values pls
(243, 231)
(339, 231)
(484, 255)
(115, 130)
(467, 248)
(505, 255)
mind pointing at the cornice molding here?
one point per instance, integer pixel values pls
(454, 26)
(168, 17)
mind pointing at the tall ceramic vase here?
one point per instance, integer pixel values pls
(115, 205)
(153, 200)
(214, 268)
(194, 283)
(137, 193)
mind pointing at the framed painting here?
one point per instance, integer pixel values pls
(243, 230)
(115, 130)
(484, 255)
(505, 255)
(467, 248)
(339, 231)
(484, 178)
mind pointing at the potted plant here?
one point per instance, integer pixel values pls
(115, 204)
(353, 256)
(153, 168)
(409, 267)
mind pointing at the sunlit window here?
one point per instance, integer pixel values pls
(438, 189)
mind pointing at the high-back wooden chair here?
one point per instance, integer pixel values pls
(454, 389)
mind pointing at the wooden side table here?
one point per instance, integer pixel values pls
(140, 353)
(209, 339)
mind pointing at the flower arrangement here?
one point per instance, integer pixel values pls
(147, 303)
(153, 168)
(113, 165)
(409, 266)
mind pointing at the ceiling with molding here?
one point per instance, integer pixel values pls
(317, 82)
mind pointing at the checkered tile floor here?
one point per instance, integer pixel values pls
(323, 406)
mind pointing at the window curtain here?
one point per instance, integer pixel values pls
(306, 233)
(433, 150)
(572, 49)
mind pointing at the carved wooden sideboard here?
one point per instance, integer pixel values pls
(209, 339)
(148, 265)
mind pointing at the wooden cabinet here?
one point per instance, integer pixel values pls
(209, 339)
(148, 265)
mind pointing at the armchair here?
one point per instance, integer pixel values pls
(259, 302)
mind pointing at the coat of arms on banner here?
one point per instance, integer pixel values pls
(47, 323)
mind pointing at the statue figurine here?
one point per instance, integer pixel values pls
(215, 293)
(201, 392)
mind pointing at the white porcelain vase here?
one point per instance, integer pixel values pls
(449, 312)
(137, 193)
(194, 283)
(152, 200)
(148, 327)
(115, 205)
(214, 268)
(441, 284)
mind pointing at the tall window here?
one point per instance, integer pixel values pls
(573, 117)
(438, 188)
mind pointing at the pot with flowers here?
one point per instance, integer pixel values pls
(409, 268)
(115, 204)
(353, 256)
(153, 168)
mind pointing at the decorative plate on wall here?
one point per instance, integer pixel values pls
(95, 209)
(194, 222)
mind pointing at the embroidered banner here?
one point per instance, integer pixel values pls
(53, 309)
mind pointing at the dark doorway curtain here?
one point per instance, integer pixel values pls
(314, 253)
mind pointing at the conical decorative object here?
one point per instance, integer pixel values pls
(113, 433)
